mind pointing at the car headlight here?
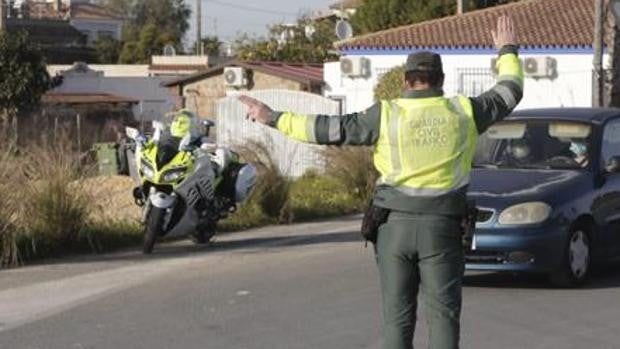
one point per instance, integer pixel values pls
(525, 213)
(173, 175)
(147, 170)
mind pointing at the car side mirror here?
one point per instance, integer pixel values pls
(207, 124)
(613, 165)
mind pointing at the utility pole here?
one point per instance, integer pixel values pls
(459, 7)
(198, 27)
(597, 88)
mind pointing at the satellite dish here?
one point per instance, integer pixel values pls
(344, 30)
(309, 30)
(169, 50)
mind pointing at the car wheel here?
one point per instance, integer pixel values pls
(577, 260)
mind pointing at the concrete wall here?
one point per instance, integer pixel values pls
(571, 87)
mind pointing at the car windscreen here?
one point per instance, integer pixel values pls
(535, 145)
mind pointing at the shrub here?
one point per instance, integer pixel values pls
(390, 85)
(315, 196)
(272, 187)
(353, 168)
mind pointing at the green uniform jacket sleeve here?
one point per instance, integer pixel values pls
(350, 129)
(496, 103)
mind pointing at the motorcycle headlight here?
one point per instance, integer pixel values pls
(147, 170)
(525, 213)
(173, 175)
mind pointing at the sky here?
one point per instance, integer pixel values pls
(228, 18)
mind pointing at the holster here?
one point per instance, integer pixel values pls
(374, 217)
(469, 223)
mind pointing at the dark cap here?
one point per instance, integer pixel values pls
(424, 61)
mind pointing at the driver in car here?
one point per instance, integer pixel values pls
(519, 151)
(580, 150)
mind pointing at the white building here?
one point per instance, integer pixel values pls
(94, 20)
(556, 47)
(90, 17)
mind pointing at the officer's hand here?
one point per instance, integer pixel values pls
(505, 34)
(257, 110)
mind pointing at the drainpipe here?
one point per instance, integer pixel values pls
(597, 63)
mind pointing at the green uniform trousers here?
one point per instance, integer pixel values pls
(420, 252)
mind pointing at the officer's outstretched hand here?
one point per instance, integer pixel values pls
(505, 34)
(257, 110)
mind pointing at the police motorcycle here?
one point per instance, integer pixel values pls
(186, 183)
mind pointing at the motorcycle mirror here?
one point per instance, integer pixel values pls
(132, 133)
(184, 145)
(158, 125)
(207, 125)
(158, 128)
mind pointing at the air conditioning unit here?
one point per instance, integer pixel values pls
(235, 77)
(539, 67)
(535, 67)
(355, 66)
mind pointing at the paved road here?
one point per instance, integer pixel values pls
(303, 286)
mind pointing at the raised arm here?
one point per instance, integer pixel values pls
(496, 103)
(352, 129)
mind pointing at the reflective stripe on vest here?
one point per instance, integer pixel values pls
(426, 146)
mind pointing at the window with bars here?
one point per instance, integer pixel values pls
(474, 81)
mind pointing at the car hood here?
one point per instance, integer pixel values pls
(513, 185)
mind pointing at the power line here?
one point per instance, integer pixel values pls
(250, 8)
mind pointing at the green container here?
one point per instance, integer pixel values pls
(106, 158)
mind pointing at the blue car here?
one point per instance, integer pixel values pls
(546, 183)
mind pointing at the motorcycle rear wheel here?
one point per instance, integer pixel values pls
(152, 229)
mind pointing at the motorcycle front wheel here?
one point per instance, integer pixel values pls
(152, 229)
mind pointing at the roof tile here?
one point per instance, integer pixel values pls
(538, 23)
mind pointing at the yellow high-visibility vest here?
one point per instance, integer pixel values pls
(426, 145)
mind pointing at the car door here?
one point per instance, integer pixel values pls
(607, 204)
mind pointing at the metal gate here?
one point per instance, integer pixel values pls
(294, 158)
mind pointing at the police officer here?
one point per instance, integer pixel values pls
(424, 145)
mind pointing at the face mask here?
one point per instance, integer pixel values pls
(578, 148)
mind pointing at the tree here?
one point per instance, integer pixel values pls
(390, 85)
(297, 45)
(108, 50)
(375, 15)
(150, 25)
(211, 45)
(24, 76)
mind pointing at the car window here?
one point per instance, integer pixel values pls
(611, 140)
(535, 144)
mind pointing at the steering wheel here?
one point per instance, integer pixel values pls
(563, 159)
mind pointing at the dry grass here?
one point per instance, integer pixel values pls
(112, 199)
(11, 190)
(56, 205)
